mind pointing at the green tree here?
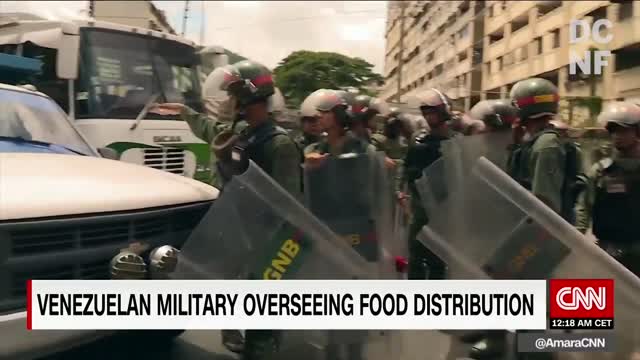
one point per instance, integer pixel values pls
(303, 72)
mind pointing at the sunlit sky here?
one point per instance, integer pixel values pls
(266, 31)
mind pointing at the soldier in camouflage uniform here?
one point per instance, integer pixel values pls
(539, 162)
(250, 86)
(612, 200)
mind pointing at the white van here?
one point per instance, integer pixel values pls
(65, 212)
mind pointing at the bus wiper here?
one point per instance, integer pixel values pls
(37, 142)
(144, 110)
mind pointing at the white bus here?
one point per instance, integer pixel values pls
(105, 76)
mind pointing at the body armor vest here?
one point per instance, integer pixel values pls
(250, 146)
(616, 209)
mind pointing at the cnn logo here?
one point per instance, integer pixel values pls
(581, 298)
(572, 298)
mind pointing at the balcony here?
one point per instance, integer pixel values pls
(625, 33)
(626, 81)
(465, 43)
(577, 9)
(521, 37)
(494, 23)
(494, 50)
(462, 67)
(519, 8)
(549, 21)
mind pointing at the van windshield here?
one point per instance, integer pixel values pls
(121, 72)
(35, 118)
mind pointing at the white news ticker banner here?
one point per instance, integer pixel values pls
(46, 310)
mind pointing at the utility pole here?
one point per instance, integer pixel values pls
(403, 6)
(186, 16)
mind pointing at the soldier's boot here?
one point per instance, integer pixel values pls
(261, 344)
(233, 341)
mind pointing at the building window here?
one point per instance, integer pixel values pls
(523, 53)
(499, 63)
(537, 46)
(517, 25)
(487, 66)
(495, 37)
(626, 10)
(430, 57)
(462, 56)
(556, 38)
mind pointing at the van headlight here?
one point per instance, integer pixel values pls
(128, 265)
(163, 261)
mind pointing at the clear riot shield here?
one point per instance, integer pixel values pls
(483, 224)
(352, 194)
(401, 214)
(256, 230)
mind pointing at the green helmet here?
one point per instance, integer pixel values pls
(248, 82)
(620, 113)
(534, 98)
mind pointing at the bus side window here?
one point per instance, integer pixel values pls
(48, 82)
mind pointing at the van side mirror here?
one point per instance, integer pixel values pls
(109, 153)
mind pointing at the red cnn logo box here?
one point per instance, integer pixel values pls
(581, 299)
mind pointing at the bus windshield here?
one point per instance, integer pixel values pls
(121, 72)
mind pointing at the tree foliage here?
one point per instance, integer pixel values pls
(303, 72)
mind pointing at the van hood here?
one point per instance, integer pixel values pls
(34, 185)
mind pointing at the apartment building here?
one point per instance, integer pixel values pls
(518, 40)
(532, 38)
(442, 48)
(133, 13)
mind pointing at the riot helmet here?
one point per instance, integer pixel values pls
(535, 98)
(331, 101)
(248, 82)
(495, 114)
(620, 113)
(434, 101)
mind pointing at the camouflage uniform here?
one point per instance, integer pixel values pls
(540, 162)
(269, 146)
